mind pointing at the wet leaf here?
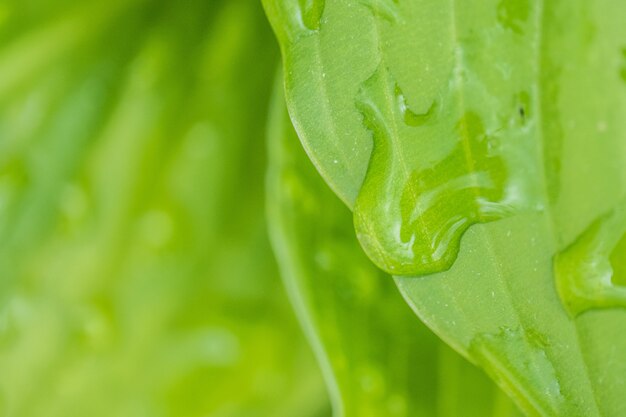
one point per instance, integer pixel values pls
(480, 145)
(378, 359)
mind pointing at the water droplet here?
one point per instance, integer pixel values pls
(410, 117)
(586, 270)
(412, 211)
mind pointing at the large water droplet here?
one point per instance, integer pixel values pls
(427, 181)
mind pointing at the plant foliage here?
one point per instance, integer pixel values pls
(480, 146)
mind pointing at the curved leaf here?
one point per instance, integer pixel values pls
(378, 359)
(475, 141)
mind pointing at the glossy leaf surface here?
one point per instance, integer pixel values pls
(378, 359)
(480, 145)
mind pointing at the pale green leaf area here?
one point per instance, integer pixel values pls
(378, 359)
(136, 276)
(482, 148)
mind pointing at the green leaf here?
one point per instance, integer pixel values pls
(378, 359)
(477, 142)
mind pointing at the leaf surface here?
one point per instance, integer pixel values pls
(480, 145)
(378, 359)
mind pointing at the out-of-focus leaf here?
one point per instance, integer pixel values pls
(379, 360)
(136, 278)
(477, 142)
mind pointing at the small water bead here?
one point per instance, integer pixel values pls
(411, 118)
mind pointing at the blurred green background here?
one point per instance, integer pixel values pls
(136, 277)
